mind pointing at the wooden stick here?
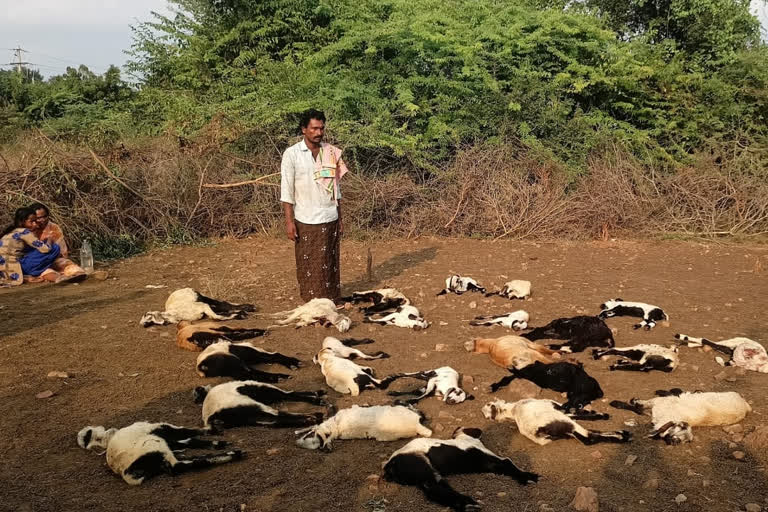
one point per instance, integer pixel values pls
(241, 183)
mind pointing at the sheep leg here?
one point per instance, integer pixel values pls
(652, 363)
(596, 436)
(251, 415)
(210, 313)
(416, 470)
(243, 334)
(425, 392)
(383, 306)
(473, 288)
(261, 376)
(263, 357)
(502, 383)
(224, 307)
(585, 415)
(633, 405)
(473, 460)
(671, 392)
(720, 348)
(270, 395)
(194, 442)
(205, 461)
(352, 342)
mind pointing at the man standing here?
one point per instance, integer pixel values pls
(310, 194)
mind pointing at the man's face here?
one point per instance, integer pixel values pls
(42, 218)
(314, 131)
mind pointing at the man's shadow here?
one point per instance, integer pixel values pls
(394, 266)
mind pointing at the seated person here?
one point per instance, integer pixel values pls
(51, 232)
(23, 254)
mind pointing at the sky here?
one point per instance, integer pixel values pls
(61, 33)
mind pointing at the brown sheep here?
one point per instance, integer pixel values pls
(198, 336)
(512, 351)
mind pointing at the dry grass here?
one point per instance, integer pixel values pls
(152, 190)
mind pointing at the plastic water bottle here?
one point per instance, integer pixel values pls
(86, 257)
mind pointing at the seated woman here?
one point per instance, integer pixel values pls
(51, 232)
(21, 253)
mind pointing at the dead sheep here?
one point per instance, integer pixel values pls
(237, 360)
(563, 377)
(580, 331)
(511, 351)
(515, 289)
(423, 463)
(517, 320)
(144, 450)
(344, 348)
(383, 299)
(649, 313)
(247, 403)
(408, 317)
(744, 352)
(198, 336)
(458, 285)
(675, 412)
(443, 381)
(379, 422)
(648, 357)
(187, 304)
(322, 311)
(543, 421)
(346, 377)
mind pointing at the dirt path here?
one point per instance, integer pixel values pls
(91, 331)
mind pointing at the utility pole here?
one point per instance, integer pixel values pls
(17, 52)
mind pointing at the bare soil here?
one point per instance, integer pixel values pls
(121, 373)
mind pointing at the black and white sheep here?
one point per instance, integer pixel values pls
(543, 421)
(648, 357)
(322, 311)
(580, 331)
(143, 450)
(458, 285)
(564, 377)
(383, 299)
(743, 352)
(443, 381)
(379, 422)
(517, 320)
(344, 376)
(424, 463)
(515, 289)
(237, 360)
(187, 304)
(408, 317)
(197, 336)
(247, 403)
(674, 412)
(344, 348)
(649, 313)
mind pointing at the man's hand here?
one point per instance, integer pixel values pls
(290, 230)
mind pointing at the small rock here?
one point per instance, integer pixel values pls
(692, 473)
(753, 507)
(738, 455)
(45, 394)
(630, 460)
(733, 429)
(757, 441)
(630, 423)
(732, 445)
(585, 500)
(706, 483)
(706, 459)
(423, 355)
(441, 347)
(58, 375)
(694, 368)
(706, 348)
(443, 323)
(731, 379)
(737, 438)
(99, 275)
(273, 451)
(741, 372)
(721, 376)
(467, 380)
(680, 498)
(652, 483)
(438, 427)
(473, 305)
(521, 388)
(501, 494)
(596, 454)
(444, 414)
(545, 507)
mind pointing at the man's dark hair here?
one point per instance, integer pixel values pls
(319, 115)
(39, 206)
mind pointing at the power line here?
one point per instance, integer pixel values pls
(18, 63)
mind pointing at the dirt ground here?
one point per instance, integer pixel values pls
(121, 373)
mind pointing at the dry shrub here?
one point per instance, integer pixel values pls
(152, 190)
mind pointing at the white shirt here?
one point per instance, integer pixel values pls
(312, 203)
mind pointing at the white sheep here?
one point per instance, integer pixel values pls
(143, 450)
(674, 412)
(744, 352)
(515, 289)
(517, 320)
(408, 317)
(187, 304)
(344, 348)
(648, 357)
(543, 421)
(322, 311)
(458, 285)
(344, 376)
(379, 422)
(443, 381)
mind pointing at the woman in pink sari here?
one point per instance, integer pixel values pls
(51, 233)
